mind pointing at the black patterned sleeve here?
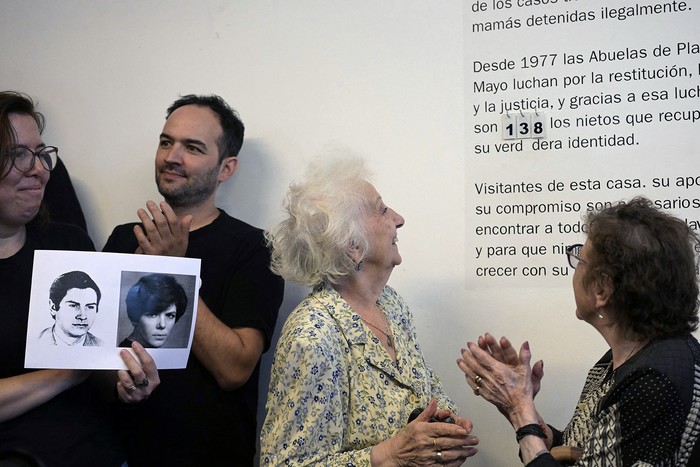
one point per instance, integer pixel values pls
(640, 420)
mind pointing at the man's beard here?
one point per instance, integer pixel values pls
(193, 192)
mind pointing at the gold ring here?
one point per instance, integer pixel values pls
(476, 390)
(435, 444)
(477, 379)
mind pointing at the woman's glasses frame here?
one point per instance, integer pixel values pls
(573, 254)
(23, 158)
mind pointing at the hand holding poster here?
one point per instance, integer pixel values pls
(86, 306)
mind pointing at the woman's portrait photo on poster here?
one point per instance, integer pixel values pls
(155, 309)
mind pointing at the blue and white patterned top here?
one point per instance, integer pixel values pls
(334, 391)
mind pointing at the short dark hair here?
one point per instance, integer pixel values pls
(648, 256)
(153, 293)
(13, 102)
(231, 125)
(71, 280)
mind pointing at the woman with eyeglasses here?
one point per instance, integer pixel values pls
(57, 417)
(635, 282)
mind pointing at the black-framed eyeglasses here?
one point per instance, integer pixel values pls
(573, 254)
(23, 158)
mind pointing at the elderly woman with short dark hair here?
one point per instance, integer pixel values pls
(635, 282)
(348, 371)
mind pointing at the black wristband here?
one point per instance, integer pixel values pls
(531, 429)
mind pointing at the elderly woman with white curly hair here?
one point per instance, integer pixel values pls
(348, 371)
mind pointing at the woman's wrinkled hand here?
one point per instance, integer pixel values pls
(140, 380)
(423, 442)
(508, 386)
(503, 351)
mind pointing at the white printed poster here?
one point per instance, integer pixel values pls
(85, 307)
(572, 106)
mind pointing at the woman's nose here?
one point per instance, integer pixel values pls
(161, 322)
(37, 170)
(398, 218)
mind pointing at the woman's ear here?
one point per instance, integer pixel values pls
(603, 292)
(353, 253)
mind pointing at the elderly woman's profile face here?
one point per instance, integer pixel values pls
(584, 296)
(382, 224)
(153, 329)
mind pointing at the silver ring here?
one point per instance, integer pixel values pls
(131, 389)
(438, 457)
(476, 390)
(143, 383)
(477, 379)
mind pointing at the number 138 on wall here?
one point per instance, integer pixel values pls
(524, 125)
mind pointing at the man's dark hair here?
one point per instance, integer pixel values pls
(232, 127)
(153, 294)
(71, 280)
(12, 102)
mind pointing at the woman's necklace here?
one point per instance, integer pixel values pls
(389, 337)
(634, 349)
(632, 352)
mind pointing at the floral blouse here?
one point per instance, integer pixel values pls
(334, 391)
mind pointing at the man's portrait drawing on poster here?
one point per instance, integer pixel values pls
(74, 300)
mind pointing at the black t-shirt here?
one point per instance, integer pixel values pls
(75, 428)
(188, 420)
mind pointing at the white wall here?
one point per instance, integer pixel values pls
(384, 78)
